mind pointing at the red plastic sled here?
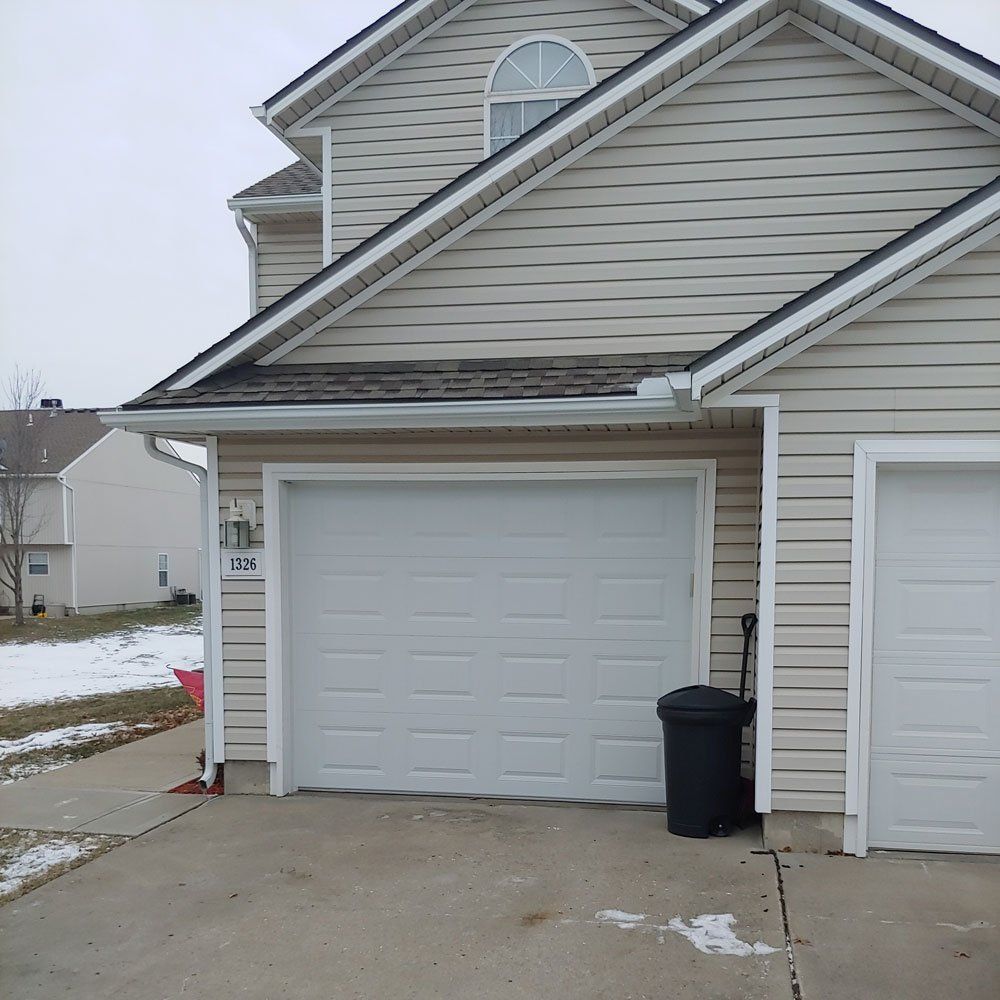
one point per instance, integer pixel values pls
(193, 681)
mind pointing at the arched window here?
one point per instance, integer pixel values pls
(530, 81)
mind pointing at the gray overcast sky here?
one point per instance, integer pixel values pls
(127, 127)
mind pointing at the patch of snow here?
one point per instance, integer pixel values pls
(17, 771)
(713, 934)
(39, 859)
(976, 925)
(626, 921)
(710, 933)
(136, 658)
(64, 737)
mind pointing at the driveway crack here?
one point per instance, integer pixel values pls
(789, 948)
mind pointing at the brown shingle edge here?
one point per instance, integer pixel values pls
(551, 377)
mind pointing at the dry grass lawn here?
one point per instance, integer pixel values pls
(88, 626)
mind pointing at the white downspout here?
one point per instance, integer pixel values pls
(69, 528)
(251, 243)
(327, 188)
(208, 610)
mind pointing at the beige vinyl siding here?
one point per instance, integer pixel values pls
(287, 255)
(735, 445)
(418, 123)
(926, 364)
(783, 167)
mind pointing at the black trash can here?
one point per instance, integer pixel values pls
(702, 738)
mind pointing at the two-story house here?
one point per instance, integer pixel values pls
(107, 527)
(580, 330)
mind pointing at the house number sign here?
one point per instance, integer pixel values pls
(242, 564)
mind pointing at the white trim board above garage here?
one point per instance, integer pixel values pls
(583, 125)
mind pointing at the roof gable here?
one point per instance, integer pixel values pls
(846, 297)
(396, 31)
(770, 175)
(962, 80)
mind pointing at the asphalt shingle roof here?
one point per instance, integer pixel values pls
(296, 178)
(414, 381)
(64, 435)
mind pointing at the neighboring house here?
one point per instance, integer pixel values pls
(112, 528)
(530, 420)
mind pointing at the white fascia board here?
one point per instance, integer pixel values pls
(277, 203)
(922, 48)
(575, 411)
(380, 246)
(392, 25)
(826, 305)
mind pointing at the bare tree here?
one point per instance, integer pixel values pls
(21, 454)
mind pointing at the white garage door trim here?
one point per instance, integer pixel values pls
(277, 478)
(868, 455)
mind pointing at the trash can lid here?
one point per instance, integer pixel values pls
(702, 703)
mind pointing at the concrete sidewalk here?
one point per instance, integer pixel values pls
(119, 792)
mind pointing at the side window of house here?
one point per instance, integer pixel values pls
(162, 567)
(38, 564)
(530, 81)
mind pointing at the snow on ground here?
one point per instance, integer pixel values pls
(119, 661)
(710, 933)
(31, 863)
(713, 934)
(63, 737)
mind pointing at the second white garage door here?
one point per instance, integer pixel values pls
(935, 756)
(488, 637)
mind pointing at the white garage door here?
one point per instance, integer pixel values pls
(935, 765)
(492, 638)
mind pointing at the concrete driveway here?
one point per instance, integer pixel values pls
(378, 897)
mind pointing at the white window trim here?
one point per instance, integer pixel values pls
(868, 456)
(28, 563)
(518, 96)
(277, 478)
(159, 556)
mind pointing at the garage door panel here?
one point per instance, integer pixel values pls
(506, 678)
(937, 705)
(939, 512)
(539, 758)
(608, 519)
(955, 608)
(935, 804)
(579, 598)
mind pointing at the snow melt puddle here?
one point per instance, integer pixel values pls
(710, 933)
(39, 859)
(64, 737)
